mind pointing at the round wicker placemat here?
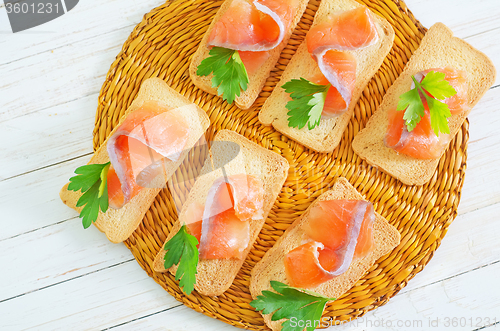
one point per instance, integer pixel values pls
(161, 46)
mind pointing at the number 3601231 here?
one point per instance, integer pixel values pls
(25, 8)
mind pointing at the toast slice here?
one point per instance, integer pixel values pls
(258, 78)
(438, 49)
(215, 276)
(271, 267)
(326, 136)
(119, 224)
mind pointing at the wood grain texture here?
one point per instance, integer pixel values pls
(31, 201)
(66, 253)
(37, 84)
(90, 18)
(58, 76)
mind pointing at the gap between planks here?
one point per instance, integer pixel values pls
(89, 49)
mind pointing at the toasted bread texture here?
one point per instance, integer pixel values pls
(216, 275)
(118, 224)
(438, 49)
(258, 78)
(271, 267)
(326, 136)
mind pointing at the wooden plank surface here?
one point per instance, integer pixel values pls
(61, 277)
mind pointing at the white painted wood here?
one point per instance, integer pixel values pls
(472, 296)
(58, 68)
(55, 77)
(466, 18)
(48, 136)
(31, 201)
(471, 242)
(482, 178)
(179, 318)
(487, 42)
(95, 301)
(57, 253)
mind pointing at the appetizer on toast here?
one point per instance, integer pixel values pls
(134, 163)
(242, 46)
(322, 255)
(225, 211)
(317, 93)
(425, 107)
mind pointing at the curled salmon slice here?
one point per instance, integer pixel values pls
(420, 143)
(231, 203)
(339, 230)
(329, 43)
(458, 80)
(303, 268)
(140, 145)
(228, 237)
(258, 25)
(334, 103)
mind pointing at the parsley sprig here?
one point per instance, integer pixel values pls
(292, 304)
(229, 74)
(411, 102)
(91, 179)
(306, 106)
(181, 249)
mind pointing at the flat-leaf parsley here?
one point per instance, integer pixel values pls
(91, 179)
(306, 106)
(229, 74)
(300, 307)
(181, 249)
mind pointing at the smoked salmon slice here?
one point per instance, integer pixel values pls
(330, 43)
(420, 143)
(303, 268)
(253, 25)
(228, 237)
(193, 219)
(253, 60)
(253, 28)
(339, 231)
(137, 149)
(231, 203)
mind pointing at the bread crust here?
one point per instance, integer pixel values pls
(215, 276)
(438, 49)
(259, 77)
(119, 224)
(325, 137)
(271, 267)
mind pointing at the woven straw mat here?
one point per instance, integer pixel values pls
(162, 45)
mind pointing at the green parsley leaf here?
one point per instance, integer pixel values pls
(91, 179)
(307, 102)
(411, 102)
(435, 84)
(104, 181)
(182, 250)
(301, 308)
(439, 114)
(229, 74)
(414, 110)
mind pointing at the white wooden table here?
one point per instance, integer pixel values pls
(55, 275)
